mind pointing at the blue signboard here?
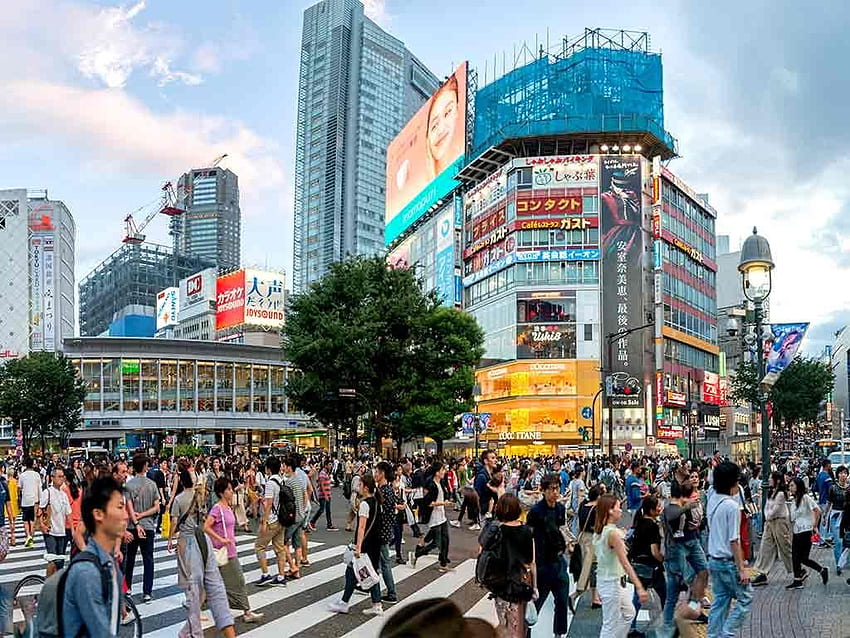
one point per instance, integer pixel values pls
(569, 254)
(445, 277)
(587, 412)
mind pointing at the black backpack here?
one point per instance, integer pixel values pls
(491, 567)
(285, 506)
(52, 597)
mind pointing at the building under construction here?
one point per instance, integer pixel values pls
(132, 275)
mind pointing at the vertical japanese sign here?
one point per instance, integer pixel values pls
(36, 301)
(264, 302)
(49, 306)
(445, 261)
(621, 210)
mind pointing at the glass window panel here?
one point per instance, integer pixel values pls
(278, 387)
(187, 386)
(206, 386)
(224, 387)
(90, 374)
(150, 384)
(243, 387)
(261, 389)
(168, 385)
(130, 384)
(112, 385)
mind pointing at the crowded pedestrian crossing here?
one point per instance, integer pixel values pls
(298, 609)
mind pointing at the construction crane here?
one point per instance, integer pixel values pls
(169, 204)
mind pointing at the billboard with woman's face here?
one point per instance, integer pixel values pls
(426, 155)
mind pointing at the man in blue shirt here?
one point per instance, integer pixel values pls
(823, 484)
(486, 493)
(85, 611)
(635, 488)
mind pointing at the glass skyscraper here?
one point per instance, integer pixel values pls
(358, 86)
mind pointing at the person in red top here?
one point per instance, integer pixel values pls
(324, 494)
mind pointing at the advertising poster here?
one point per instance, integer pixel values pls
(166, 308)
(786, 341)
(423, 159)
(230, 300)
(198, 288)
(36, 277)
(445, 278)
(49, 305)
(620, 208)
(264, 302)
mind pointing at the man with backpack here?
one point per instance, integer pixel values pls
(278, 500)
(292, 533)
(84, 599)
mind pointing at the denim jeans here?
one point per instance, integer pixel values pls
(324, 505)
(387, 570)
(146, 546)
(724, 581)
(680, 556)
(824, 528)
(553, 578)
(835, 530)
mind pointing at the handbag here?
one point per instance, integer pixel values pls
(221, 557)
(348, 552)
(530, 614)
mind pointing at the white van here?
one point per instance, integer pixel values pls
(839, 458)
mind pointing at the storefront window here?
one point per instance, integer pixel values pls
(187, 386)
(150, 385)
(243, 387)
(278, 387)
(206, 386)
(90, 374)
(168, 385)
(130, 369)
(224, 387)
(112, 385)
(261, 389)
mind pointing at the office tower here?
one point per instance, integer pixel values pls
(357, 87)
(211, 226)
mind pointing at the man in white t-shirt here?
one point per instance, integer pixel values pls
(30, 482)
(56, 502)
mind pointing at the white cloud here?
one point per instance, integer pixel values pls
(377, 11)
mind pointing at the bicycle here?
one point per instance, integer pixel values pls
(25, 606)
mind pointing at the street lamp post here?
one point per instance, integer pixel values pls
(610, 339)
(756, 266)
(593, 421)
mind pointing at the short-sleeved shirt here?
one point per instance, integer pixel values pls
(184, 502)
(30, 483)
(144, 494)
(388, 512)
(646, 534)
(225, 526)
(518, 542)
(546, 523)
(724, 525)
(59, 509)
(298, 493)
(823, 485)
(273, 492)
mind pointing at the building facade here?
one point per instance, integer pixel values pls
(574, 233)
(357, 86)
(211, 226)
(37, 243)
(131, 276)
(160, 387)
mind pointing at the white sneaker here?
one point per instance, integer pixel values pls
(338, 607)
(475, 528)
(376, 610)
(454, 523)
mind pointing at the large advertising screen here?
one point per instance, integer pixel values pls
(423, 159)
(621, 207)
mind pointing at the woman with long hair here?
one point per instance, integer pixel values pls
(805, 515)
(367, 540)
(776, 537)
(612, 565)
(198, 578)
(74, 529)
(239, 497)
(12, 482)
(587, 521)
(518, 547)
(220, 526)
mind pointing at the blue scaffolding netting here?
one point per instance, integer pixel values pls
(588, 90)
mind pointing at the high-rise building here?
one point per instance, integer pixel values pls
(131, 276)
(37, 239)
(211, 225)
(357, 87)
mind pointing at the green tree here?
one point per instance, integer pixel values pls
(373, 330)
(43, 395)
(796, 396)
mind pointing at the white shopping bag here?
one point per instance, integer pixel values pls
(366, 575)
(843, 559)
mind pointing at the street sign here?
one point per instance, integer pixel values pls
(587, 412)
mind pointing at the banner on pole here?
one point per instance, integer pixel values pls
(786, 341)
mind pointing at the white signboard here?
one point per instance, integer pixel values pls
(36, 276)
(264, 300)
(198, 288)
(166, 308)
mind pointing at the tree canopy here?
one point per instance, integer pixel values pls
(370, 343)
(42, 394)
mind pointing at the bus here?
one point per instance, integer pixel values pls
(822, 448)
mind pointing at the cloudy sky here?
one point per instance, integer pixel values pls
(101, 102)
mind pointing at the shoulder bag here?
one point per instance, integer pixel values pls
(348, 552)
(220, 553)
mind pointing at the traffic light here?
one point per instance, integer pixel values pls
(585, 434)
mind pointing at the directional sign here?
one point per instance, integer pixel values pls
(587, 412)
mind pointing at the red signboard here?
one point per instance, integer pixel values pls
(569, 205)
(556, 223)
(491, 222)
(711, 388)
(724, 391)
(670, 433)
(230, 300)
(659, 389)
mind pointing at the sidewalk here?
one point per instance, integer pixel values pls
(812, 612)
